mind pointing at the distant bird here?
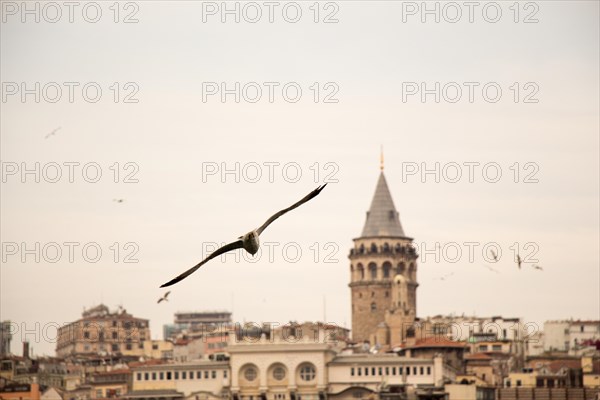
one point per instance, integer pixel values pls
(494, 255)
(519, 261)
(119, 200)
(491, 269)
(249, 241)
(52, 133)
(443, 278)
(164, 298)
(535, 266)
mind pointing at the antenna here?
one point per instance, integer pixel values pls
(381, 159)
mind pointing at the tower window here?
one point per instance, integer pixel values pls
(373, 271)
(386, 269)
(373, 306)
(373, 248)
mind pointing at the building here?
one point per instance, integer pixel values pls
(202, 322)
(356, 376)
(6, 335)
(202, 378)
(103, 332)
(20, 391)
(570, 336)
(383, 275)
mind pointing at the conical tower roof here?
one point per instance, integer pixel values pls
(382, 217)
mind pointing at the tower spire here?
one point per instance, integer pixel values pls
(381, 159)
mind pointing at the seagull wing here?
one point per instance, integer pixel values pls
(306, 198)
(167, 294)
(228, 247)
(159, 300)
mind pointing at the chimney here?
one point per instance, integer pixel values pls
(26, 350)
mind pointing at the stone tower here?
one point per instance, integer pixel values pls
(383, 275)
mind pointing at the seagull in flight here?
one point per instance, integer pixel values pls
(249, 241)
(164, 298)
(535, 266)
(119, 200)
(519, 261)
(52, 133)
(494, 255)
(443, 278)
(491, 269)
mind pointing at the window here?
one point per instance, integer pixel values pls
(359, 371)
(86, 335)
(114, 347)
(146, 376)
(387, 370)
(483, 347)
(139, 376)
(380, 371)
(114, 335)
(198, 374)
(428, 370)
(224, 373)
(213, 374)
(496, 347)
(421, 371)
(99, 393)
(366, 371)
(518, 382)
(352, 371)
(183, 375)
(161, 376)
(399, 371)
(154, 376)
(373, 271)
(279, 373)
(394, 371)
(128, 346)
(373, 307)
(407, 370)
(206, 374)
(373, 371)
(386, 269)
(307, 372)
(249, 374)
(176, 375)
(414, 370)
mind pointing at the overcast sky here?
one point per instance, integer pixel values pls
(172, 135)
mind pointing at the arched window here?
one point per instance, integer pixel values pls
(373, 306)
(373, 248)
(401, 269)
(361, 249)
(398, 248)
(412, 272)
(361, 271)
(372, 271)
(386, 247)
(387, 267)
(307, 372)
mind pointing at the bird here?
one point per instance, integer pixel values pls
(52, 133)
(491, 269)
(519, 261)
(249, 241)
(119, 200)
(494, 255)
(443, 278)
(164, 298)
(535, 266)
